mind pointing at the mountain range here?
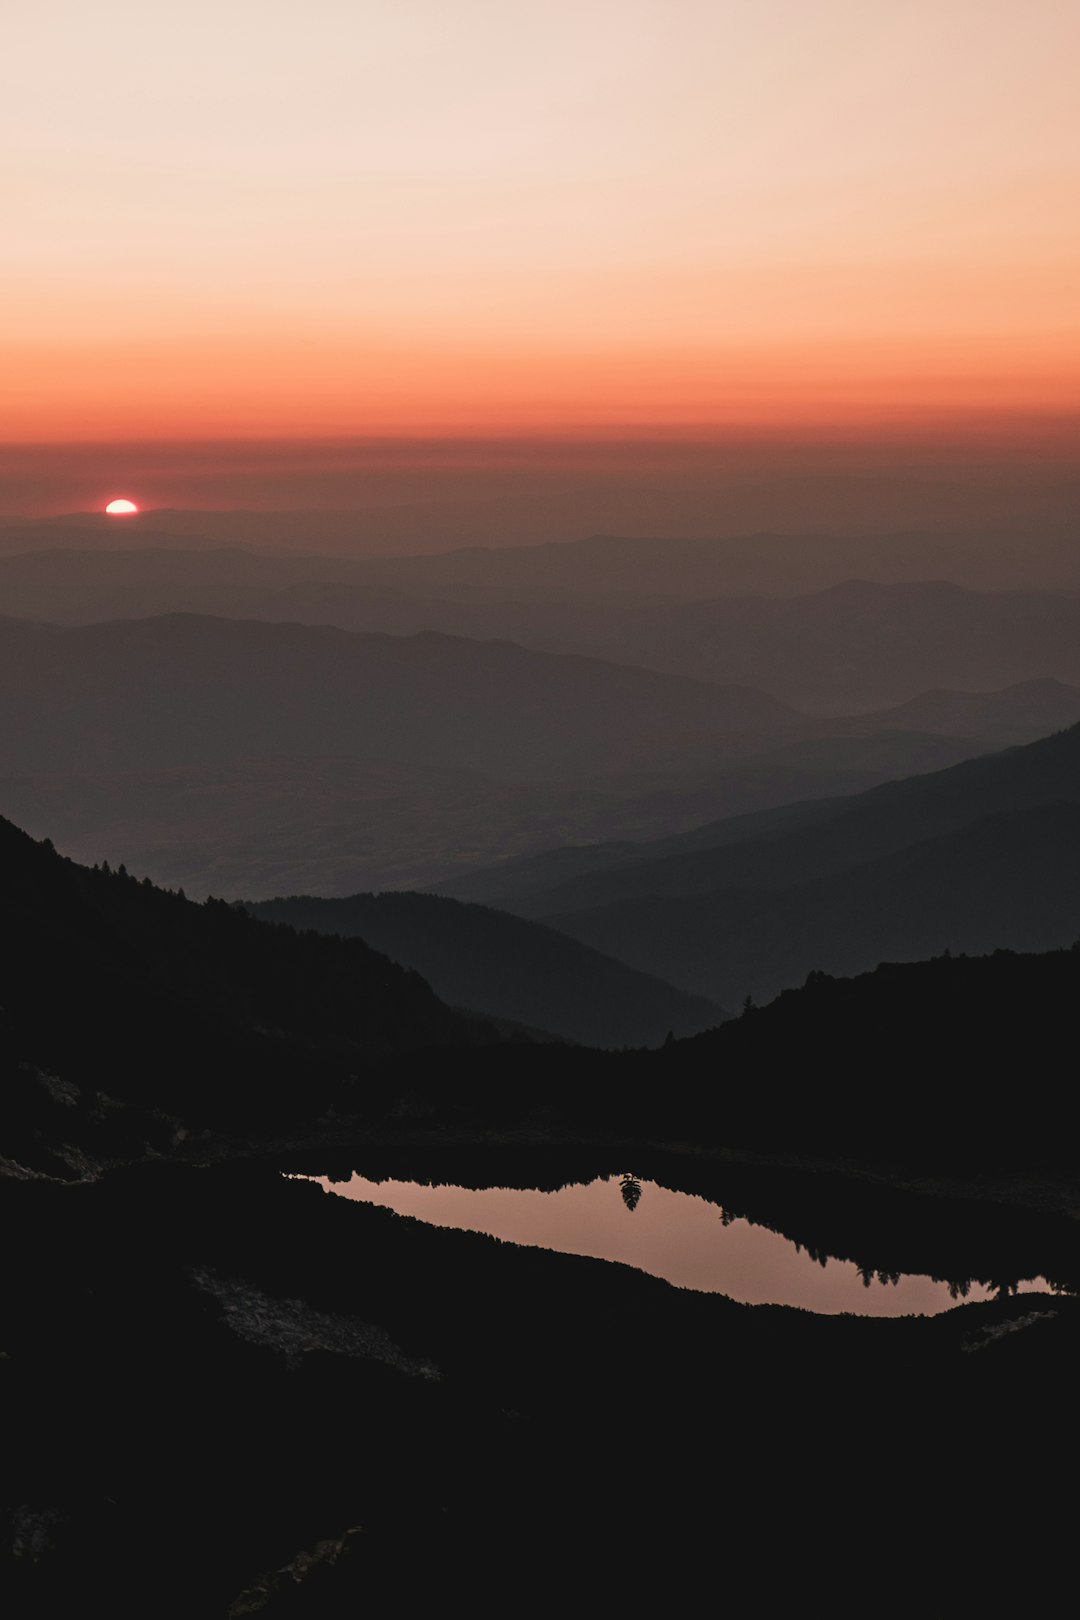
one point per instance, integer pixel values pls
(857, 645)
(184, 1023)
(896, 529)
(184, 690)
(972, 858)
(795, 842)
(243, 757)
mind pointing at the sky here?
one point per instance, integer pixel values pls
(316, 218)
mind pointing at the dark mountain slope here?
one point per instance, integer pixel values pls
(1010, 880)
(827, 838)
(113, 989)
(960, 1061)
(956, 1066)
(514, 883)
(508, 968)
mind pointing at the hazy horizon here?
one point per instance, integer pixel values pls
(427, 494)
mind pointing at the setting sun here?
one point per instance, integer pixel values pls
(121, 508)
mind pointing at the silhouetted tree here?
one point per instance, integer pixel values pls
(630, 1188)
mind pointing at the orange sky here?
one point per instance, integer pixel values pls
(271, 217)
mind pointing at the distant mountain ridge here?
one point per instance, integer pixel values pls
(185, 688)
(1016, 714)
(554, 546)
(240, 757)
(855, 645)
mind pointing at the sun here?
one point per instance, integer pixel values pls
(121, 508)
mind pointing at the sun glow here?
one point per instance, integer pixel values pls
(121, 508)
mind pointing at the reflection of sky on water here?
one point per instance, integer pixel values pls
(671, 1234)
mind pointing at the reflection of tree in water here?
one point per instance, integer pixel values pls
(959, 1287)
(630, 1187)
(888, 1279)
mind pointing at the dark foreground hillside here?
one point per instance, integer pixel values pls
(230, 1394)
(131, 1008)
(130, 1013)
(956, 1069)
(226, 1392)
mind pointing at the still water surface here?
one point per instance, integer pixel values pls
(673, 1235)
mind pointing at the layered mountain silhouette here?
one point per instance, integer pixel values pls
(240, 757)
(121, 997)
(181, 1018)
(283, 824)
(859, 644)
(186, 689)
(988, 556)
(976, 857)
(996, 525)
(1016, 714)
(494, 963)
(793, 843)
(1011, 880)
